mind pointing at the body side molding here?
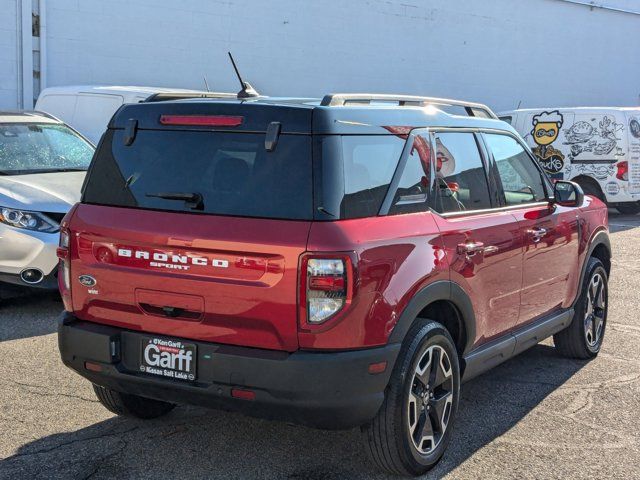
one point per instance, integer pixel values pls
(497, 351)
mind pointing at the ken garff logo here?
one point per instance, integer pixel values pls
(87, 280)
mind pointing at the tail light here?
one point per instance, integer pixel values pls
(64, 268)
(202, 120)
(326, 288)
(623, 171)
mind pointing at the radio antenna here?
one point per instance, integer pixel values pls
(247, 91)
(206, 84)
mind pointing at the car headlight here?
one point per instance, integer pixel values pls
(28, 220)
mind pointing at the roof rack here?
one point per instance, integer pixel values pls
(341, 99)
(165, 96)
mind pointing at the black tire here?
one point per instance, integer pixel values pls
(575, 341)
(388, 437)
(631, 208)
(590, 187)
(131, 405)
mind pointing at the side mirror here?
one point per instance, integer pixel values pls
(567, 194)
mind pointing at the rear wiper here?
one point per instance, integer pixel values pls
(192, 200)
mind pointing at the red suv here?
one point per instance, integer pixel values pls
(336, 263)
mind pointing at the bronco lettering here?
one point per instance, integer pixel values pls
(171, 261)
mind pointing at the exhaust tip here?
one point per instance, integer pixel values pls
(32, 276)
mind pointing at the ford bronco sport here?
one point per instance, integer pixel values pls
(336, 263)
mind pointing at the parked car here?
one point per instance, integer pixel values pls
(88, 108)
(335, 263)
(598, 148)
(42, 166)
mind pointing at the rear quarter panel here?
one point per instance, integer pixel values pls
(396, 257)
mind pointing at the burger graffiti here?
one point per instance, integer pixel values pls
(600, 140)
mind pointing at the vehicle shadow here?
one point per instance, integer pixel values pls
(29, 315)
(197, 443)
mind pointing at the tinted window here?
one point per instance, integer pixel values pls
(521, 180)
(412, 192)
(460, 180)
(369, 163)
(36, 148)
(231, 172)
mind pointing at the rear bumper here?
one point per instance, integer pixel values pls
(324, 390)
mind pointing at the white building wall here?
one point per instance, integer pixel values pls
(502, 52)
(8, 54)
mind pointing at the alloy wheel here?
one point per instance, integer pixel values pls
(595, 310)
(430, 399)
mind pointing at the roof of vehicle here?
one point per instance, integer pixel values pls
(550, 109)
(22, 116)
(302, 115)
(112, 90)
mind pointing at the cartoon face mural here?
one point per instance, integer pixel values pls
(546, 127)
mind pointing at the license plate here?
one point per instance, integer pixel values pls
(168, 358)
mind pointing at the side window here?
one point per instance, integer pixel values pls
(412, 192)
(369, 165)
(521, 180)
(460, 179)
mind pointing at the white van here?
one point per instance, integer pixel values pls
(89, 108)
(599, 148)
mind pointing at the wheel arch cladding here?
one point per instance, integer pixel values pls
(600, 248)
(447, 298)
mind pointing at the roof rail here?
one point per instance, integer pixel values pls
(165, 96)
(472, 109)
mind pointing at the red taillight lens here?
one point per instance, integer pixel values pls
(623, 171)
(64, 268)
(202, 120)
(325, 287)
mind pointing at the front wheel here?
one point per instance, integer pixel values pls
(413, 427)
(583, 337)
(631, 208)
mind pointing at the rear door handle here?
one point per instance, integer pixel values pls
(537, 233)
(470, 248)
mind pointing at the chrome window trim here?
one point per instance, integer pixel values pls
(465, 213)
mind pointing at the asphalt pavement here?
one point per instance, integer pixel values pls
(536, 416)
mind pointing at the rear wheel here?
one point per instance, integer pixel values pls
(413, 427)
(583, 337)
(131, 405)
(631, 208)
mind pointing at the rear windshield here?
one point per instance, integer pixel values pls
(204, 172)
(41, 148)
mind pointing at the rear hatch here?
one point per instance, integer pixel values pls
(192, 222)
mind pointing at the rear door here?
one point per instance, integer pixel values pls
(550, 233)
(218, 267)
(483, 243)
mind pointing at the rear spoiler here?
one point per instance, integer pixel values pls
(168, 96)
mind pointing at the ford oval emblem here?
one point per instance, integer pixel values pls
(87, 280)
